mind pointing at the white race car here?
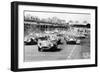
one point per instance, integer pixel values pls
(45, 44)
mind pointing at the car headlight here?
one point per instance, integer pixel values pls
(51, 44)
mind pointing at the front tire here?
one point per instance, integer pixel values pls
(40, 49)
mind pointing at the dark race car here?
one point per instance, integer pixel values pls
(31, 41)
(72, 40)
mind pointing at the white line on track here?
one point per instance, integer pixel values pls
(69, 56)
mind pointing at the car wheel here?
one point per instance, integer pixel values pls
(40, 49)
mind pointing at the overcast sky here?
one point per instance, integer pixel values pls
(66, 16)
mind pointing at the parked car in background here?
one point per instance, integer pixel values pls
(81, 36)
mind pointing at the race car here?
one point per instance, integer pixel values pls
(30, 41)
(56, 39)
(45, 44)
(72, 40)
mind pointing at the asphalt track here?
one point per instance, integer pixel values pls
(63, 52)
